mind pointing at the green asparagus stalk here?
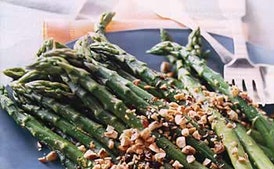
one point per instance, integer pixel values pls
(42, 133)
(200, 147)
(78, 75)
(66, 162)
(67, 112)
(64, 126)
(84, 79)
(49, 45)
(254, 151)
(49, 88)
(196, 89)
(256, 136)
(219, 123)
(15, 73)
(264, 126)
(98, 112)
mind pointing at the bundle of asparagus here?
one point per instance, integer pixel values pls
(96, 106)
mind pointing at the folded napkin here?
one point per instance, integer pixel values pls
(130, 15)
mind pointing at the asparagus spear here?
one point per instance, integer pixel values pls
(253, 150)
(98, 112)
(196, 89)
(15, 73)
(42, 133)
(64, 126)
(198, 145)
(49, 88)
(78, 75)
(264, 126)
(67, 112)
(219, 123)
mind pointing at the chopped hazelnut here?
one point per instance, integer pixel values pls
(136, 82)
(190, 158)
(102, 153)
(110, 144)
(42, 159)
(153, 147)
(206, 161)
(160, 156)
(145, 133)
(91, 145)
(181, 142)
(196, 135)
(180, 96)
(82, 148)
(188, 150)
(51, 156)
(185, 132)
(165, 67)
(154, 125)
(91, 155)
(176, 164)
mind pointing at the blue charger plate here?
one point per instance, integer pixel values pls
(17, 146)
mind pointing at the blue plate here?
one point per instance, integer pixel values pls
(17, 146)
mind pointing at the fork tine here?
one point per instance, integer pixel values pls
(250, 89)
(260, 91)
(239, 83)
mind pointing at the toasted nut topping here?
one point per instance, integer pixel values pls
(125, 141)
(232, 115)
(163, 112)
(178, 119)
(150, 140)
(145, 134)
(213, 166)
(153, 147)
(218, 148)
(180, 96)
(188, 150)
(235, 151)
(165, 67)
(210, 118)
(231, 125)
(91, 145)
(169, 74)
(110, 132)
(42, 159)
(82, 148)
(110, 144)
(190, 158)
(91, 155)
(97, 166)
(147, 87)
(192, 130)
(181, 142)
(51, 156)
(136, 82)
(196, 135)
(177, 165)
(234, 91)
(160, 156)
(185, 132)
(102, 153)
(206, 161)
(173, 105)
(243, 159)
(163, 87)
(154, 125)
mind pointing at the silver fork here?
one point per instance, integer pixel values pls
(241, 71)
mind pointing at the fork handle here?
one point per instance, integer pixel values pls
(240, 49)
